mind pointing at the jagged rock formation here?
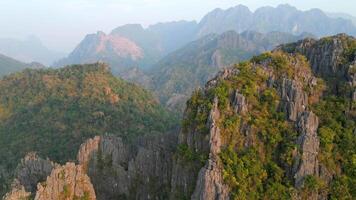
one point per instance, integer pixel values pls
(67, 182)
(330, 57)
(33, 170)
(239, 103)
(29, 172)
(307, 163)
(140, 170)
(294, 100)
(298, 93)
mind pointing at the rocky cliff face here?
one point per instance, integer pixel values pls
(138, 170)
(330, 57)
(29, 172)
(210, 184)
(33, 170)
(308, 143)
(297, 89)
(293, 101)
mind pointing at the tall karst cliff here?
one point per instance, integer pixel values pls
(282, 125)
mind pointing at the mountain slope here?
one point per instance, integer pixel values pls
(9, 65)
(119, 51)
(54, 111)
(178, 74)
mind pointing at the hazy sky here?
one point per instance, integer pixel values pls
(61, 24)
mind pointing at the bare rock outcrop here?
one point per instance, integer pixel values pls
(67, 182)
(239, 103)
(32, 170)
(293, 99)
(306, 162)
(324, 55)
(139, 169)
(86, 150)
(210, 183)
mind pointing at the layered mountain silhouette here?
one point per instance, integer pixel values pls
(9, 65)
(284, 18)
(134, 46)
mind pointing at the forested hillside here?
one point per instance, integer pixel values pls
(53, 111)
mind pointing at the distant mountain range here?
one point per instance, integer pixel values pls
(29, 50)
(134, 46)
(284, 18)
(342, 15)
(9, 65)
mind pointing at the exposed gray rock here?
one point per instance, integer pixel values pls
(326, 55)
(185, 173)
(293, 99)
(325, 58)
(32, 170)
(138, 170)
(239, 103)
(210, 183)
(307, 162)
